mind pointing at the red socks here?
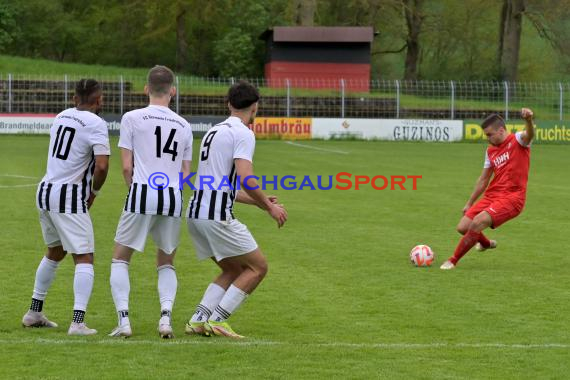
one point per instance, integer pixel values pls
(465, 244)
(486, 243)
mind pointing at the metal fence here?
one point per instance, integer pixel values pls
(302, 98)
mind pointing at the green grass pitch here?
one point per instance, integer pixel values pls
(341, 299)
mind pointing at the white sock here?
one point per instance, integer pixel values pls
(120, 289)
(44, 277)
(212, 297)
(233, 298)
(167, 285)
(83, 285)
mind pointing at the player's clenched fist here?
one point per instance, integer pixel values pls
(527, 113)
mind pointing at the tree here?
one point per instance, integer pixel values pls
(8, 26)
(239, 51)
(181, 43)
(510, 39)
(456, 43)
(414, 20)
(53, 33)
(233, 54)
(408, 17)
(305, 12)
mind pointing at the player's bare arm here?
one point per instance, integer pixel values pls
(242, 197)
(528, 133)
(245, 171)
(480, 187)
(99, 176)
(127, 161)
(186, 168)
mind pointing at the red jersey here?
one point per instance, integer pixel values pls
(510, 163)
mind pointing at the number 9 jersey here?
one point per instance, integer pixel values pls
(75, 138)
(160, 140)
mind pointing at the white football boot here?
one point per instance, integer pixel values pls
(165, 328)
(36, 319)
(123, 331)
(80, 329)
(448, 265)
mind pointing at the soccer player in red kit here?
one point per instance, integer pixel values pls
(507, 159)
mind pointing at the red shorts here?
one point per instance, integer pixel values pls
(500, 209)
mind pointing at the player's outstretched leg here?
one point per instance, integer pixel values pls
(44, 277)
(212, 297)
(483, 243)
(82, 288)
(254, 270)
(471, 237)
(120, 289)
(465, 244)
(167, 285)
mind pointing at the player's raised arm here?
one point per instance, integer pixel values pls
(249, 184)
(480, 187)
(528, 133)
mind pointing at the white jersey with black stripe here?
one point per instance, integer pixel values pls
(160, 140)
(66, 185)
(216, 179)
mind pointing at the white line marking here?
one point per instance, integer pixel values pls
(316, 148)
(17, 176)
(17, 186)
(253, 343)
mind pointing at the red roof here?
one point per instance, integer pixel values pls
(320, 34)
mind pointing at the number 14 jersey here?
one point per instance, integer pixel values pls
(160, 140)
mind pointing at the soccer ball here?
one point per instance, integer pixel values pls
(422, 256)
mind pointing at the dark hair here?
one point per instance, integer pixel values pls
(160, 80)
(242, 95)
(493, 119)
(87, 90)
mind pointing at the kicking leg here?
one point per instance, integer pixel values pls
(483, 243)
(463, 225)
(471, 237)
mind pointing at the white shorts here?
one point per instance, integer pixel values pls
(72, 231)
(134, 228)
(220, 239)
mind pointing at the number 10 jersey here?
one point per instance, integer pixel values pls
(75, 138)
(160, 140)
